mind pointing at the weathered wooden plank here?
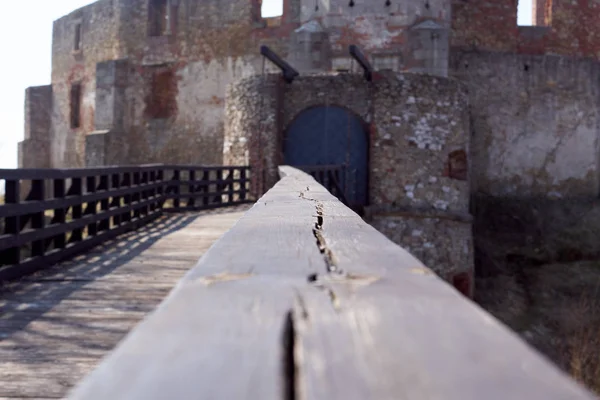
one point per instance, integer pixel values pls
(377, 342)
(241, 294)
(64, 328)
(51, 292)
(87, 299)
(30, 351)
(302, 299)
(44, 378)
(238, 329)
(69, 311)
(56, 326)
(28, 398)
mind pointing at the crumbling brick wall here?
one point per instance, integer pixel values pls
(561, 27)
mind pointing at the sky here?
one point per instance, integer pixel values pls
(26, 42)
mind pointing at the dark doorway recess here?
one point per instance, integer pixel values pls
(331, 143)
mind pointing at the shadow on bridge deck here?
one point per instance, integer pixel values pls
(55, 326)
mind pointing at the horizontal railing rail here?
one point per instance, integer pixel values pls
(302, 299)
(49, 215)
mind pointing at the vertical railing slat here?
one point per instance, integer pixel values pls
(38, 248)
(12, 224)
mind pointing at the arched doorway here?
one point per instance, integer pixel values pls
(331, 138)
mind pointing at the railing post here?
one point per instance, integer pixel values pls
(205, 188)
(219, 194)
(12, 224)
(137, 196)
(192, 189)
(230, 182)
(177, 188)
(161, 190)
(76, 189)
(116, 200)
(152, 192)
(144, 193)
(91, 207)
(243, 184)
(104, 224)
(60, 213)
(126, 182)
(38, 248)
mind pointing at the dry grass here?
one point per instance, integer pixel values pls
(582, 350)
(541, 277)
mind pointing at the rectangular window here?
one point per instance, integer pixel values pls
(77, 45)
(75, 105)
(534, 12)
(271, 8)
(162, 99)
(158, 17)
(272, 12)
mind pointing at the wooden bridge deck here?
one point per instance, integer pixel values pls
(57, 325)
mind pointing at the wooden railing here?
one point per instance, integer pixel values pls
(49, 215)
(329, 176)
(303, 300)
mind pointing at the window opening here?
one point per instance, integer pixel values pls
(158, 17)
(77, 45)
(534, 12)
(75, 103)
(271, 8)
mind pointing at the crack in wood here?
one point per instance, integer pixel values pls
(290, 364)
(328, 255)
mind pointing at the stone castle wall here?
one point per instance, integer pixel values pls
(100, 24)
(530, 127)
(418, 129)
(535, 123)
(206, 45)
(38, 120)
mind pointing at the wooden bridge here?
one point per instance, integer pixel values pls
(300, 299)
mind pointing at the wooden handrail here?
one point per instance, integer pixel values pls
(50, 215)
(301, 299)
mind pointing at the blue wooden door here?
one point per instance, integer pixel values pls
(331, 136)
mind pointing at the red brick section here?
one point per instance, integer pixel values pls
(161, 100)
(574, 28)
(485, 24)
(492, 25)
